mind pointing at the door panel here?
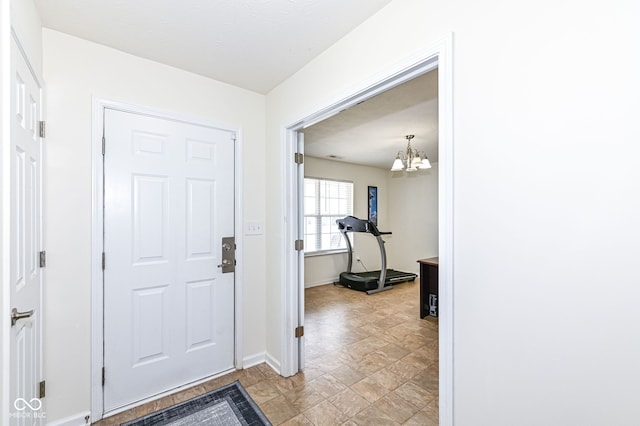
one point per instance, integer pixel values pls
(169, 309)
(26, 242)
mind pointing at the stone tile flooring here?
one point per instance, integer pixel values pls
(370, 360)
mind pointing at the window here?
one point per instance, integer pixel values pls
(325, 201)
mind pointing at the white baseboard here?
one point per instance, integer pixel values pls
(252, 360)
(75, 420)
(273, 363)
(322, 282)
(260, 358)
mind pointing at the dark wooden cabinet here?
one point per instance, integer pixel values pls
(428, 287)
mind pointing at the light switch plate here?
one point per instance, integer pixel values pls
(253, 227)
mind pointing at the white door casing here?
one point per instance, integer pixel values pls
(26, 242)
(168, 308)
(439, 55)
(300, 260)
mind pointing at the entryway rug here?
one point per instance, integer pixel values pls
(230, 405)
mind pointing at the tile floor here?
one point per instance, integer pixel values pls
(370, 360)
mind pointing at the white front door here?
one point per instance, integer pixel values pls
(168, 305)
(26, 243)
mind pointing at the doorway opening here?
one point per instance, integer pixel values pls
(439, 56)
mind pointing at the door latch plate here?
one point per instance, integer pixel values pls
(228, 255)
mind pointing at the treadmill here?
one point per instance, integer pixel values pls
(372, 281)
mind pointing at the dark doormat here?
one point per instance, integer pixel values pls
(229, 405)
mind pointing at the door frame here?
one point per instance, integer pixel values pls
(97, 243)
(438, 55)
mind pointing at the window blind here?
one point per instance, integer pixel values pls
(325, 200)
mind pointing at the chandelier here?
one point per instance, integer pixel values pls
(410, 157)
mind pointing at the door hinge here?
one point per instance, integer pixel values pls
(103, 144)
(298, 158)
(42, 389)
(299, 331)
(102, 376)
(43, 259)
(299, 245)
(42, 127)
(103, 260)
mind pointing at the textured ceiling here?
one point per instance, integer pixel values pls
(371, 133)
(257, 44)
(253, 44)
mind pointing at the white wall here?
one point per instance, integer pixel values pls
(413, 207)
(75, 71)
(25, 21)
(546, 200)
(407, 206)
(326, 268)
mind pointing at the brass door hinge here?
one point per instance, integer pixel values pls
(42, 389)
(298, 158)
(299, 245)
(299, 331)
(43, 258)
(102, 376)
(42, 127)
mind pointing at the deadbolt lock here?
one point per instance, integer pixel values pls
(228, 263)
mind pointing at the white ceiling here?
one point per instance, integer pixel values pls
(372, 133)
(257, 44)
(253, 44)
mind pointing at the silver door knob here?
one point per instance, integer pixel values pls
(15, 315)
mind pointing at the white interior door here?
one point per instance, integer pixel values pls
(169, 306)
(26, 242)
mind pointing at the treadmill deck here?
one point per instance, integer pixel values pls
(365, 281)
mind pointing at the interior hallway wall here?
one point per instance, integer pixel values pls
(326, 268)
(546, 206)
(76, 71)
(407, 207)
(413, 207)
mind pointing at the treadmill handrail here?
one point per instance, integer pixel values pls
(353, 224)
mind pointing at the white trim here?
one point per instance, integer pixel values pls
(300, 221)
(97, 303)
(446, 213)
(289, 313)
(97, 325)
(326, 281)
(239, 234)
(437, 55)
(253, 360)
(5, 208)
(273, 363)
(75, 420)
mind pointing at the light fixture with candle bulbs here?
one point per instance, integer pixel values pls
(410, 159)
